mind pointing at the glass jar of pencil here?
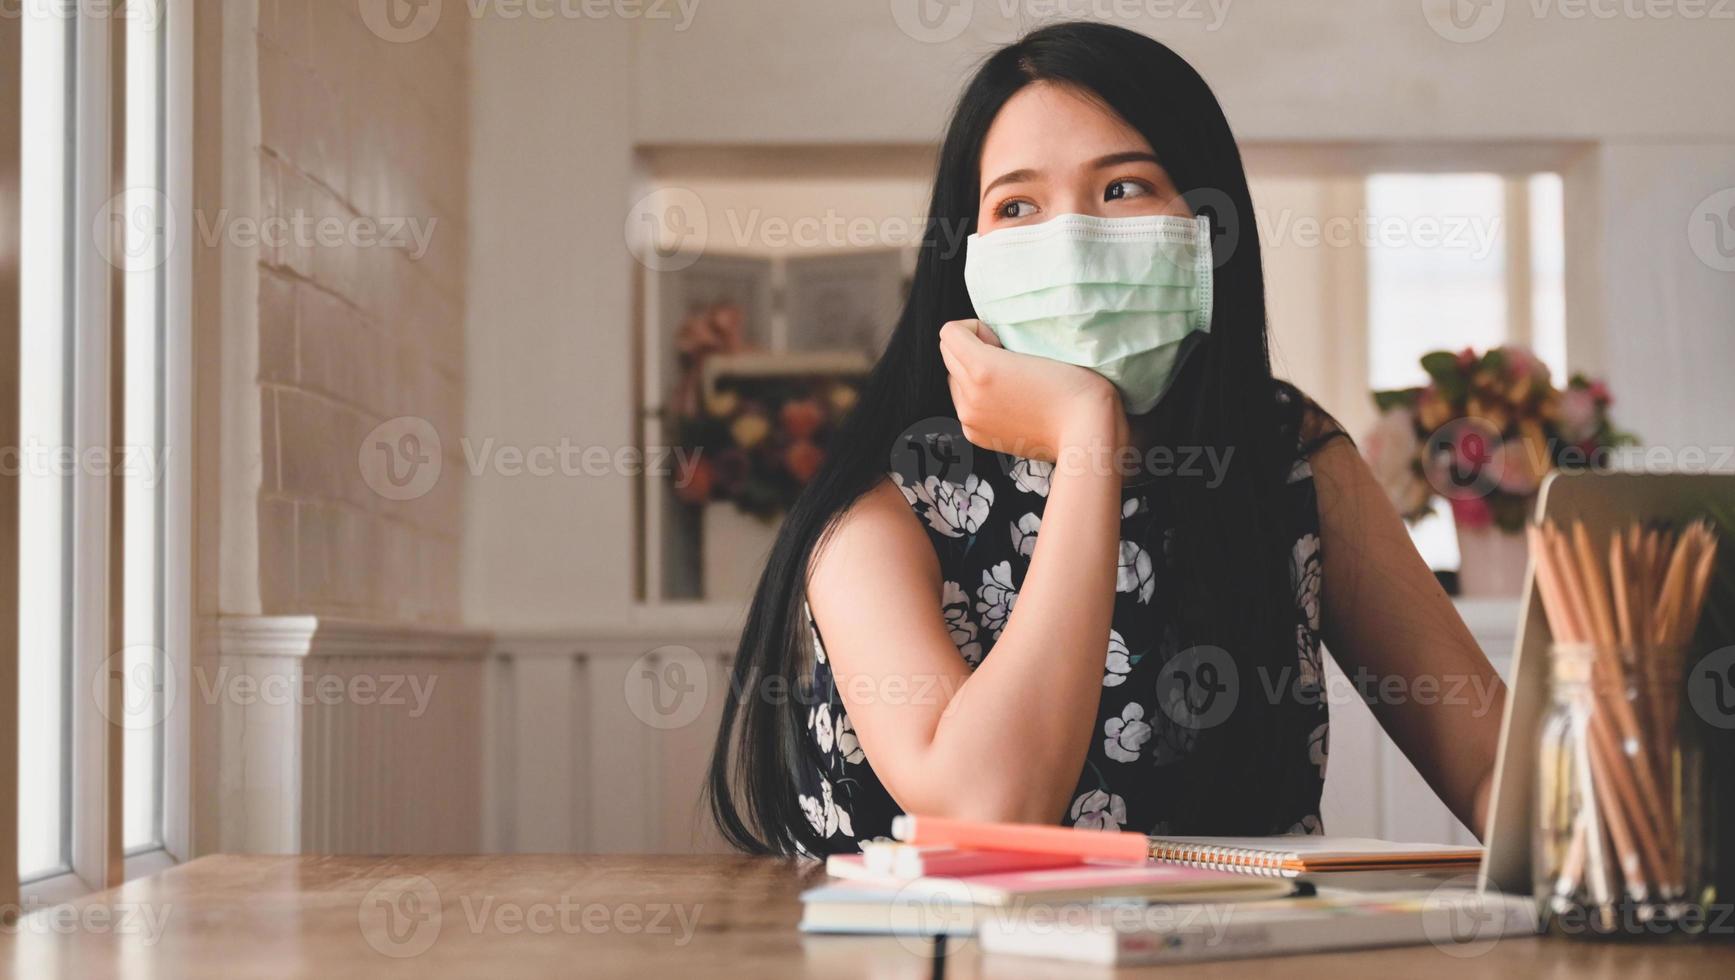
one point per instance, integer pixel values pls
(1620, 844)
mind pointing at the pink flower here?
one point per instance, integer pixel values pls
(1472, 512)
(1467, 358)
(1578, 414)
(1599, 390)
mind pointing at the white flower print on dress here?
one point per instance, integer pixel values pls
(1132, 507)
(1319, 747)
(994, 603)
(1308, 825)
(955, 606)
(1033, 476)
(1024, 534)
(813, 633)
(1120, 661)
(1302, 470)
(960, 508)
(824, 815)
(953, 509)
(822, 733)
(1307, 654)
(1099, 810)
(848, 745)
(1126, 734)
(1304, 575)
(1133, 574)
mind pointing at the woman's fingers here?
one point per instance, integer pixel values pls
(988, 336)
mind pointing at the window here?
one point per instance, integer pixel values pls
(103, 488)
(46, 305)
(1462, 260)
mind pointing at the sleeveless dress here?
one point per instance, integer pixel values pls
(1158, 700)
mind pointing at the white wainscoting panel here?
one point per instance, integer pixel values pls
(576, 761)
(1371, 789)
(546, 742)
(348, 737)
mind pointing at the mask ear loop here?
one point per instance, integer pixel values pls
(1204, 274)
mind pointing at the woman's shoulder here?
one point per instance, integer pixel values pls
(1308, 429)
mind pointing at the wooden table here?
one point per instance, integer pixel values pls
(530, 915)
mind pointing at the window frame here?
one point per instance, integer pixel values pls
(96, 353)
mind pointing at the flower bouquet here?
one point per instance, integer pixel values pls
(1482, 434)
(759, 440)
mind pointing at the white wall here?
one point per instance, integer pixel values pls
(549, 340)
(842, 70)
(559, 106)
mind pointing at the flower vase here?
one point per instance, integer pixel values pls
(733, 548)
(1491, 562)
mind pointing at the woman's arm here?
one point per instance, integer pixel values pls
(1006, 742)
(1395, 633)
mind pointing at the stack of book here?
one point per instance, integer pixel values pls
(1125, 898)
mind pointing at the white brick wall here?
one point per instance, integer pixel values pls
(350, 334)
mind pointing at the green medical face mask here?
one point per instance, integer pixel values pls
(1128, 298)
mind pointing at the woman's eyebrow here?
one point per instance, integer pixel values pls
(1011, 177)
(1131, 156)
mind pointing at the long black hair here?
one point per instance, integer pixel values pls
(1227, 535)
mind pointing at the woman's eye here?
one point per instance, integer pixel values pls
(1122, 190)
(1012, 210)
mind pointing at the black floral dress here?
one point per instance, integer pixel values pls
(1157, 699)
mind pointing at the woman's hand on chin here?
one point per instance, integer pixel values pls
(1025, 405)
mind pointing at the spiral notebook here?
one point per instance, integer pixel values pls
(1287, 857)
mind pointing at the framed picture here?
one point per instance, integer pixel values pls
(846, 302)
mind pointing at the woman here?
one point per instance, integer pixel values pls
(1104, 608)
